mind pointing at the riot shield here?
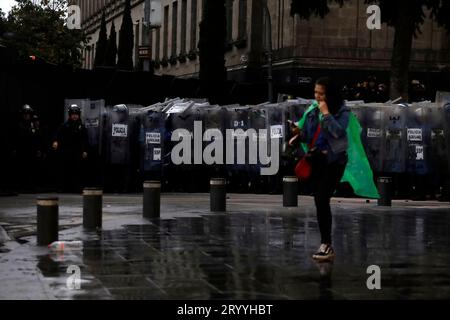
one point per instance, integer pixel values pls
(181, 120)
(214, 122)
(92, 117)
(117, 149)
(236, 151)
(394, 159)
(258, 122)
(418, 137)
(276, 125)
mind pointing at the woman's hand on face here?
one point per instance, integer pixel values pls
(323, 106)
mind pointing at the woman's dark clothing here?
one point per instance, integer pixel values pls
(328, 161)
(325, 179)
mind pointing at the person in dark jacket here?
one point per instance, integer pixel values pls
(328, 156)
(71, 142)
(28, 149)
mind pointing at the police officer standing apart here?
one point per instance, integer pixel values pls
(71, 142)
(28, 147)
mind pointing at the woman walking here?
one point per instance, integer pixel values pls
(324, 129)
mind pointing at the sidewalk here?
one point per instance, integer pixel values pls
(257, 250)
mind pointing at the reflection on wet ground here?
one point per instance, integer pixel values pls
(261, 256)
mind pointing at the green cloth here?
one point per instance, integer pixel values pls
(358, 172)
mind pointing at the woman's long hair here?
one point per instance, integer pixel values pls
(333, 94)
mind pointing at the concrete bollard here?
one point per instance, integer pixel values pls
(92, 208)
(47, 220)
(385, 191)
(152, 199)
(218, 194)
(290, 191)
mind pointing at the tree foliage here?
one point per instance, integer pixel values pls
(2, 23)
(102, 44)
(111, 49)
(126, 40)
(212, 49)
(41, 30)
(308, 8)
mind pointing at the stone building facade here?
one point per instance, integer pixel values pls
(340, 41)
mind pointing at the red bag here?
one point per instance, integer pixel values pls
(303, 168)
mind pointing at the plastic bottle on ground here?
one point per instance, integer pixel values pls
(66, 245)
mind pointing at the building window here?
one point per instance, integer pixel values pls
(166, 31)
(174, 27)
(183, 26)
(229, 17)
(194, 24)
(242, 29)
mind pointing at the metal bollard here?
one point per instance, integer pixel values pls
(152, 199)
(92, 208)
(385, 191)
(290, 191)
(218, 194)
(47, 220)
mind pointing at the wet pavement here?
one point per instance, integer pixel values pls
(256, 250)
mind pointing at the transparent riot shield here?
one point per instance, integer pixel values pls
(373, 135)
(438, 147)
(443, 100)
(92, 117)
(118, 136)
(418, 137)
(276, 125)
(134, 129)
(181, 120)
(214, 124)
(258, 139)
(236, 150)
(116, 148)
(394, 158)
(152, 141)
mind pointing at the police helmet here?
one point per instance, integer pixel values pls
(120, 108)
(26, 109)
(74, 109)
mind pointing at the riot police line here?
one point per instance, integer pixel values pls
(128, 144)
(408, 142)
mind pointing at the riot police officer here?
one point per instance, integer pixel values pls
(28, 149)
(71, 142)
